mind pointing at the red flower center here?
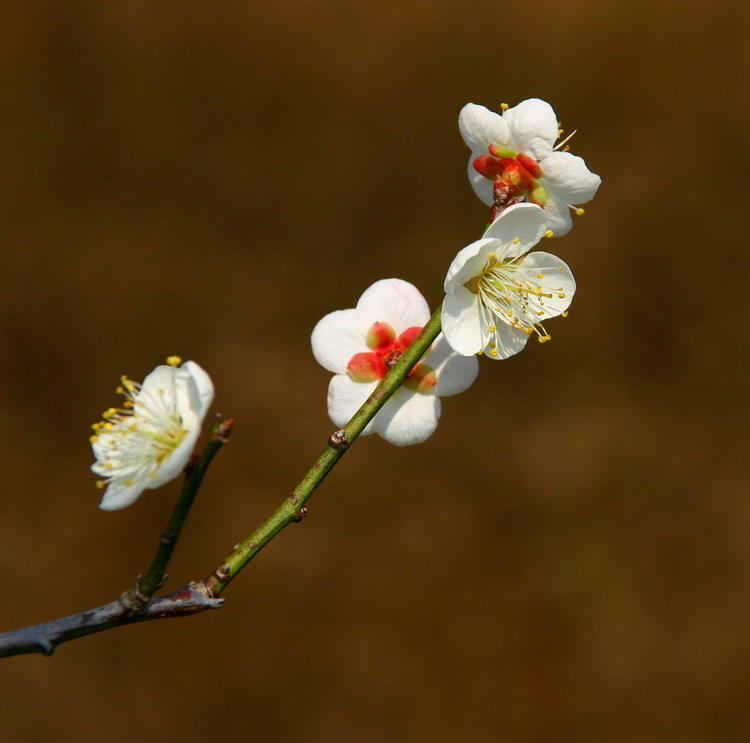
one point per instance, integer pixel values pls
(387, 349)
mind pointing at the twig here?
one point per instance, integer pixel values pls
(44, 638)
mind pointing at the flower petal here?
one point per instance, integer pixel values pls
(533, 127)
(119, 495)
(201, 390)
(482, 186)
(396, 302)
(455, 373)
(510, 342)
(525, 222)
(468, 263)
(481, 127)
(569, 178)
(174, 463)
(557, 280)
(408, 417)
(336, 338)
(461, 320)
(557, 215)
(346, 397)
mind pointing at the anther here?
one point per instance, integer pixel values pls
(580, 212)
(493, 352)
(540, 275)
(548, 233)
(563, 314)
(174, 360)
(504, 106)
(516, 241)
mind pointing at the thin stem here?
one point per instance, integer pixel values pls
(293, 508)
(155, 576)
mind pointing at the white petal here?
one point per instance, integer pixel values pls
(202, 388)
(336, 338)
(557, 215)
(569, 178)
(408, 417)
(558, 279)
(119, 495)
(482, 186)
(392, 301)
(346, 397)
(455, 373)
(525, 222)
(533, 127)
(510, 342)
(461, 320)
(469, 263)
(481, 127)
(173, 464)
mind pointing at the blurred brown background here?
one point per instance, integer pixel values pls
(567, 559)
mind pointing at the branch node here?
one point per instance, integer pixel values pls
(133, 600)
(338, 439)
(299, 515)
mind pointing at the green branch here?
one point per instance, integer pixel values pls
(293, 508)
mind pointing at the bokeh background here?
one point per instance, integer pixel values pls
(567, 559)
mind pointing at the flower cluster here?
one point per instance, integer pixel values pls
(498, 293)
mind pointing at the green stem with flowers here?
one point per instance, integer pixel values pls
(137, 604)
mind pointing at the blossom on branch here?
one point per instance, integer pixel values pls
(148, 441)
(514, 159)
(360, 345)
(498, 294)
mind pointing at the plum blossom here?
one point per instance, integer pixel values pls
(360, 345)
(148, 441)
(514, 159)
(498, 294)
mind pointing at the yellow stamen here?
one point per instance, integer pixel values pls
(580, 212)
(548, 233)
(504, 106)
(174, 360)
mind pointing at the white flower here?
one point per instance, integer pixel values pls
(498, 294)
(360, 345)
(148, 441)
(513, 159)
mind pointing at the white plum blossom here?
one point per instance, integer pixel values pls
(360, 345)
(498, 294)
(149, 440)
(514, 159)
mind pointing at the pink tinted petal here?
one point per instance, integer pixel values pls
(380, 335)
(407, 337)
(346, 397)
(482, 186)
(481, 127)
(524, 221)
(365, 367)
(533, 127)
(408, 417)
(455, 373)
(392, 301)
(421, 378)
(569, 178)
(462, 326)
(336, 338)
